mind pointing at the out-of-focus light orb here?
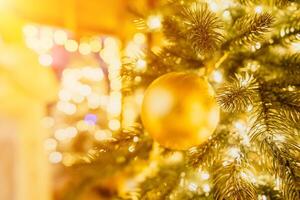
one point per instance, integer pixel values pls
(61, 134)
(95, 45)
(258, 9)
(111, 42)
(154, 22)
(30, 30)
(84, 48)
(240, 126)
(263, 197)
(60, 37)
(48, 122)
(139, 38)
(77, 98)
(226, 15)
(94, 101)
(64, 95)
(114, 124)
(131, 148)
(206, 188)
(213, 6)
(46, 43)
(68, 160)
(295, 46)
(193, 187)
(71, 45)
(141, 65)
(45, 60)
(85, 90)
(66, 107)
(50, 144)
(71, 132)
(91, 119)
(92, 73)
(82, 125)
(217, 76)
(102, 135)
(55, 157)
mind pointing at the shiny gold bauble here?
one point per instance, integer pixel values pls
(179, 110)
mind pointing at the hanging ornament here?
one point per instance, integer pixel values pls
(179, 110)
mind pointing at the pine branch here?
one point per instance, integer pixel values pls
(284, 166)
(171, 29)
(239, 94)
(232, 182)
(113, 154)
(208, 153)
(203, 28)
(251, 28)
(160, 185)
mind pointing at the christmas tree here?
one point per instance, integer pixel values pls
(221, 110)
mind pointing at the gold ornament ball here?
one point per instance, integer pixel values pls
(179, 110)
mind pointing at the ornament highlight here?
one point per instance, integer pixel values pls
(179, 110)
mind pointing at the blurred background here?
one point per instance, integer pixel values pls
(60, 87)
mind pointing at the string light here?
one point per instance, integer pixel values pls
(258, 9)
(141, 65)
(217, 76)
(204, 175)
(154, 22)
(206, 188)
(193, 187)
